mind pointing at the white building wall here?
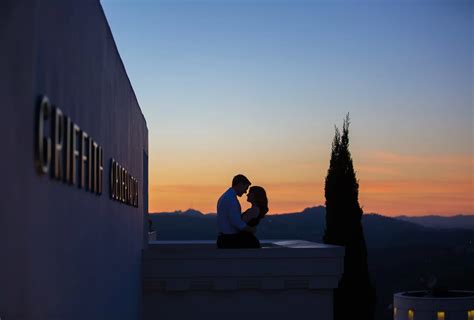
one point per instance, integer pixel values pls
(427, 308)
(66, 253)
(283, 280)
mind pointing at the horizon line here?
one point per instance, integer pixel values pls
(318, 206)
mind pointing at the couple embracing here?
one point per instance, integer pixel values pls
(237, 229)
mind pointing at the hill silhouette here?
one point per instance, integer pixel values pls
(380, 231)
(440, 222)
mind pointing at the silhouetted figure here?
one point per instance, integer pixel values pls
(258, 198)
(229, 220)
(355, 296)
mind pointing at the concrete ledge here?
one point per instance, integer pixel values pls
(279, 265)
(463, 303)
(223, 284)
(299, 274)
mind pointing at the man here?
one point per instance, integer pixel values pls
(229, 221)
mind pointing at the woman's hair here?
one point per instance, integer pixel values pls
(261, 201)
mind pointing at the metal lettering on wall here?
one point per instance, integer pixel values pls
(123, 186)
(70, 155)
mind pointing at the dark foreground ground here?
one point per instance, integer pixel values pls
(402, 255)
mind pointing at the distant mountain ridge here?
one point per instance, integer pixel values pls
(461, 221)
(189, 212)
(380, 231)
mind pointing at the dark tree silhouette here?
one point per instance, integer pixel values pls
(355, 296)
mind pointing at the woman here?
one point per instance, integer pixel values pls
(258, 198)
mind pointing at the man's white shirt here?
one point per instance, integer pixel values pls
(229, 212)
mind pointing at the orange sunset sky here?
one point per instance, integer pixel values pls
(390, 183)
(256, 87)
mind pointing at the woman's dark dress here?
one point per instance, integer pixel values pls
(248, 239)
(240, 240)
(237, 241)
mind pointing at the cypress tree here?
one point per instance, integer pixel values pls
(355, 296)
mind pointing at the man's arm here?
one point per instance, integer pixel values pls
(235, 218)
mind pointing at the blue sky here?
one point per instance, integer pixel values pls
(258, 86)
